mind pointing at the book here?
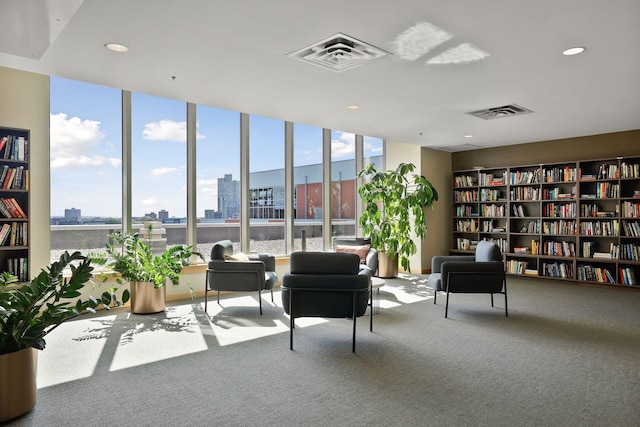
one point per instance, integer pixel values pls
(4, 233)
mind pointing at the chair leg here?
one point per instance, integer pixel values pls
(353, 313)
(506, 312)
(446, 308)
(291, 321)
(260, 301)
(206, 291)
(371, 310)
(491, 299)
(218, 297)
(271, 294)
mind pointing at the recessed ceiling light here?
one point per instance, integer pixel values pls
(353, 107)
(116, 47)
(469, 136)
(574, 50)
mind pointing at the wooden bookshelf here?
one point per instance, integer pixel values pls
(574, 221)
(14, 202)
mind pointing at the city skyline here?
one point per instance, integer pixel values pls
(86, 150)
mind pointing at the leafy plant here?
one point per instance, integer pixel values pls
(132, 258)
(394, 207)
(30, 311)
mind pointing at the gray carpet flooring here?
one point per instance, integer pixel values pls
(567, 355)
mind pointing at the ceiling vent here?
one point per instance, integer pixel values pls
(456, 148)
(338, 53)
(500, 112)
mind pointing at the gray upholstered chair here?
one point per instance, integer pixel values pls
(326, 284)
(482, 273)
(256, 272)
(371, 256)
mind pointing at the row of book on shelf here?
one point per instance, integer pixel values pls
(631, 228)
(14, 234)
(464, 181)
(525, 177)
(559, 210)
(559, 174)
(10, 208)
(629, 170)
(14, 178)
(524, 193)
(590, 273)
(631, 209)
(18, 267)
(487, 179)
(14, 147)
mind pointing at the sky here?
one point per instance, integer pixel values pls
(86, 150)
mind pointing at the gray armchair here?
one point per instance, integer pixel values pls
(371, 261)
(224, 274)
(326, 284)
(482, 273)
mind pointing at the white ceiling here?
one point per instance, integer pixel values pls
(233, 54)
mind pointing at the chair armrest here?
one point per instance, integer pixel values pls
(438, 260)
(227, 266)
(268, 260)
(372, 261)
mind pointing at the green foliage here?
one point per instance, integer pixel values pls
(394, 207)
(28, 312)
(133, 260)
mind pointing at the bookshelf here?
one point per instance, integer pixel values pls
(574, 221)
(14, 202)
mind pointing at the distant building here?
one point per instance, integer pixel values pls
(162, 215)
(151, 215)
(212, 214)
(72, 216)
(228, 197)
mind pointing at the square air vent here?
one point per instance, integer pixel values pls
(338, 53)
(500, 112)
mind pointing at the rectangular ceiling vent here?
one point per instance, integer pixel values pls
(338, 53)
(500, 112)
(456, 148)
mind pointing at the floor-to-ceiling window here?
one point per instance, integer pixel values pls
(343, 188)
(218, 177)
(86, 165)
(266, 185)
(307, 181)
(86, 172)
(158, 159)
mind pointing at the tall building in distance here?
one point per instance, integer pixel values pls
(162, 214)
(72, 216)
(228, 197)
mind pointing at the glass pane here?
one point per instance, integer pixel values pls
(86, 159)
(158, 158)
(373, 151)
(218, 177)
(307, 178)
(266, 183)
(343, 189)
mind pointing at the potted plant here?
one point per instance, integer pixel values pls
(133, 259)
(393, 209)
(28, 312)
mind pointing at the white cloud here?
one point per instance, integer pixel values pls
(165, 130)
(168, 130)
(164, 171)
(344, 145)
(150, 201)
(83, 161)
(74, 141)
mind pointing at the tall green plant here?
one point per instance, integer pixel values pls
(29, 312)
(394, 208)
